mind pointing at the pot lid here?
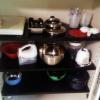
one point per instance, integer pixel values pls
(76, 33)
(52, 20)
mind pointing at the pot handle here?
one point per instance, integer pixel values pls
(25, 46)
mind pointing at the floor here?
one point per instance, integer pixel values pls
(75, 96)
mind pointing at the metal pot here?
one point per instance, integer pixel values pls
(52, 54)
(53, 23)
(54, 26)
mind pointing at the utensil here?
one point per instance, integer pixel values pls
(12, 78)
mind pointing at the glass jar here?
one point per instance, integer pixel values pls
(75, 15)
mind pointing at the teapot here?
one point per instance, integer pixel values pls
(83, 57)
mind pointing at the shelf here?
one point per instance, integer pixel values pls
(28, 36)
(7, 64)
(39, 83)
(45, 38)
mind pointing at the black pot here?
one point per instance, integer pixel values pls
(79, 80)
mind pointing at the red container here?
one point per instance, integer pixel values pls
(10, 49)
(76, 33)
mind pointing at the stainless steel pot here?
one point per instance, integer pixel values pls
(53, 23)
(52, 54)
(54, 26)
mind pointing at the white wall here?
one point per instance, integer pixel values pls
(42, 8)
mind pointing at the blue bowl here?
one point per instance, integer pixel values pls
(12, 78)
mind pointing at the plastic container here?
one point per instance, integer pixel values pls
(27, 54)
